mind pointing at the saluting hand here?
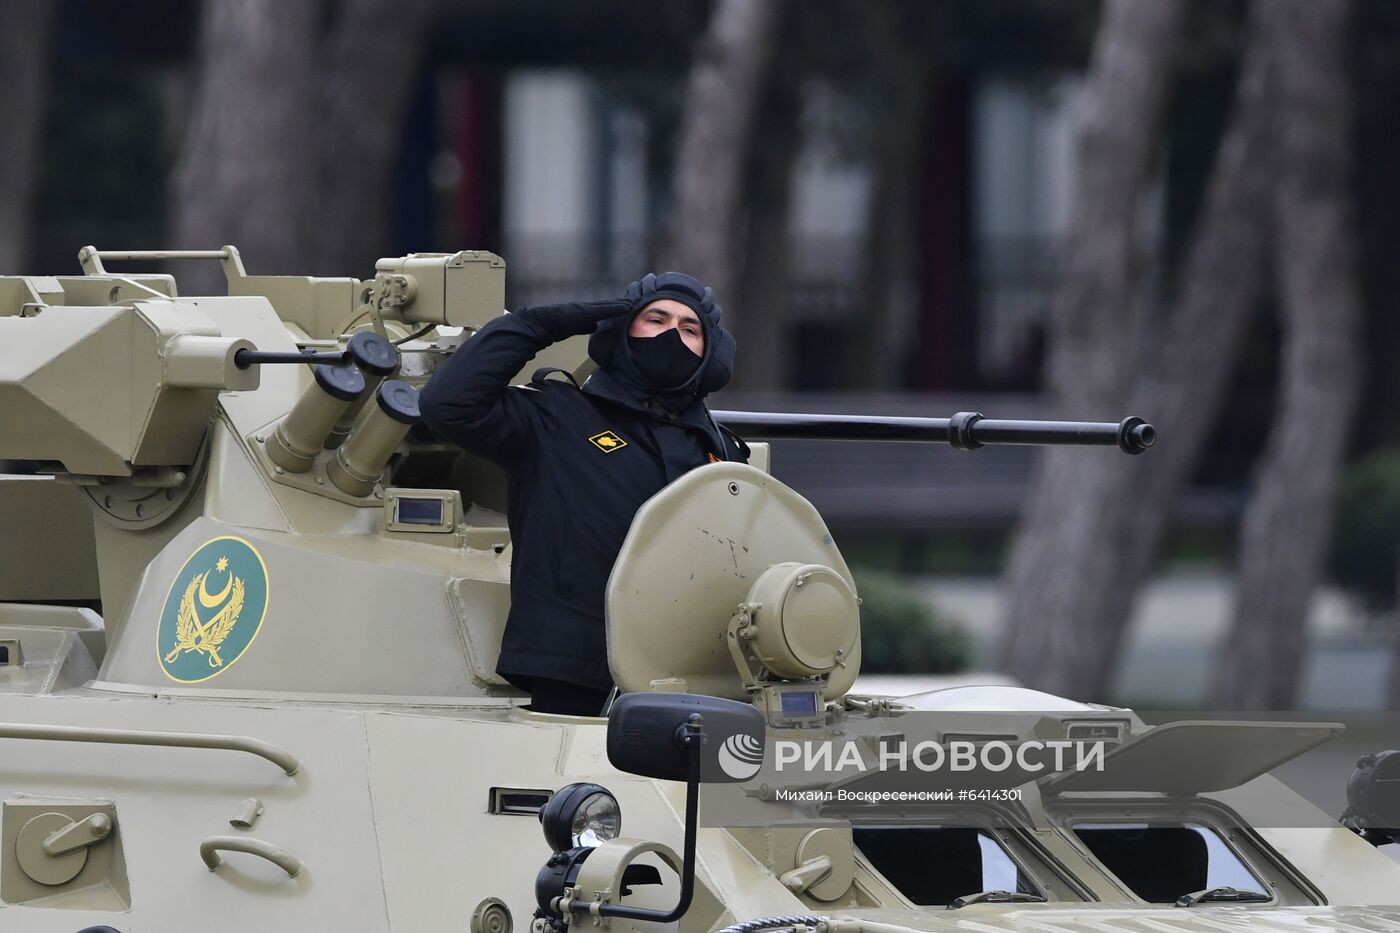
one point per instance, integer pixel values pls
(574, 318)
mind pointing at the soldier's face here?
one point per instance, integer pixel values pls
(665, 314)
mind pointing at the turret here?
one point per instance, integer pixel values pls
(105, 391)
(268, 516)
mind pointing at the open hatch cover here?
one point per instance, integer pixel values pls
(1195, 757)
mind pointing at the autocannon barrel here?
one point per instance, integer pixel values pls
(967, 430)
(371, 352)
(246, 358)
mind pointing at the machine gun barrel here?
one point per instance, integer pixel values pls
(372, 353)
(967, 430)
(245, 358)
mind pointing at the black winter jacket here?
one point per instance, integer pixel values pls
(580, 464)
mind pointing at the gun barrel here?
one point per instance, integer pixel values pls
(246, 358)
(372, 353)
(965, 430)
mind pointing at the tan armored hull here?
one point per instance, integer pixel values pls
(286, 715)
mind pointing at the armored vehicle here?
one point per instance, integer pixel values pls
(251, 612)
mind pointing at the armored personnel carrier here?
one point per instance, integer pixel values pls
(249, 618)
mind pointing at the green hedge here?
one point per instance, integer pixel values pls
(1365, 544)
(901, 633)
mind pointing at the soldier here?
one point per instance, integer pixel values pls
(581, 461)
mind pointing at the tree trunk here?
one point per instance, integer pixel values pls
(1288, 519)
(1125, 100)
(1062, 560)
(1069, 643)
(888, 326)
(765, 274)
(1187, 363)
(245, 168)
(364, 92)
(726, 81)
(23, 78)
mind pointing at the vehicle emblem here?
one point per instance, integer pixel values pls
(202, 633)
(607, 442)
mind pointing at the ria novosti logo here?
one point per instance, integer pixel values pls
(741, 756)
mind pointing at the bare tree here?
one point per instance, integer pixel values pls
(1188, 360)
(1061, 563)
(364, 89)
(765, 275)
(290, 150)
(23, 74)
(1287, 521)
(887, 327)
(243, 173)
(726, 82)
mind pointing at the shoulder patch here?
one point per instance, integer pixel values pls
(608, 441)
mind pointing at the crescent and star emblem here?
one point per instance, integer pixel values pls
(205, 637)
(207, 601)
(213, 611)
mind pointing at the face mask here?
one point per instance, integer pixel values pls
(664, 361)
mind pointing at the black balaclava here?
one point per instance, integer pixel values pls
(663, 367)
(663, 361)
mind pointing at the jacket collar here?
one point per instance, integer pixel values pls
(604, 385)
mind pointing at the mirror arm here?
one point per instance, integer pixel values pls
(693, 737)
(1380, 837)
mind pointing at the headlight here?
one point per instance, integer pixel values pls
(580, 815)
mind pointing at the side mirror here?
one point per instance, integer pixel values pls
(647, 736)
(1373, 798)
(668, 736)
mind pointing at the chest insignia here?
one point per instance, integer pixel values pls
(607, 442)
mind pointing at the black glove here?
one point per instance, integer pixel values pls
(574, 318)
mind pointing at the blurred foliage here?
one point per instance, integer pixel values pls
(980, 552)
(903, 634)
(1365, 544)
(1208, 545)
(962, 551)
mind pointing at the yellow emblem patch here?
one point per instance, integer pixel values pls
(607, 442)
(201, 633)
